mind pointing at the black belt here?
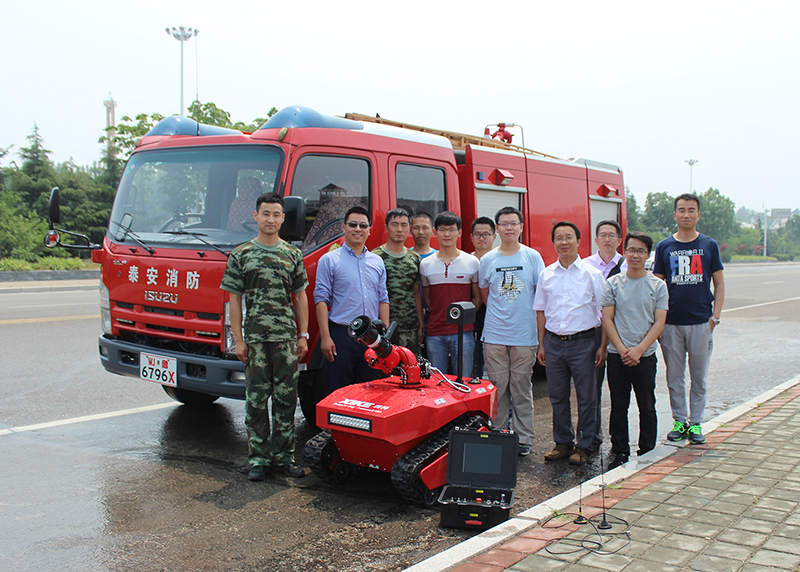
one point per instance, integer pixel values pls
(590, 333)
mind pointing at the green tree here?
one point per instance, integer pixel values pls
(210, 114)
(717, 215)
(632, 210)
(658, 213)
(21, 231)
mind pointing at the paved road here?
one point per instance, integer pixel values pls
(161, 489)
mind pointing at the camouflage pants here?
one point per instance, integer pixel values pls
(271, 371)
(408, 339)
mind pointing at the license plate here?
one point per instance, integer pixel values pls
(160, 369)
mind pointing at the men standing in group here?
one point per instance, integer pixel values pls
(689, 262)
(448, 276)
(483, 235)
(268, 272)
(607, 237)
(634, 311)
(351, 282)
(421, 232)
(568, 312)
(402, 280)
(508, 276)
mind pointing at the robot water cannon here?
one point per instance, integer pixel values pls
(382, 354)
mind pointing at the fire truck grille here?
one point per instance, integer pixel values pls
(174, 345)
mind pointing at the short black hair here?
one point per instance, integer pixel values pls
(397, 213)
(561, 223)
(482, 220)
(507, 210)
(422, 214)
(358, 209)
(613, 223)
(270, 198)
(447, 217)
(686, 197)
(645, 238)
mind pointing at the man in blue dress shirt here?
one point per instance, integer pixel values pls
(351, 282)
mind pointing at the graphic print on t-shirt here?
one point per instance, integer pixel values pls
(510, 286)
(686, 266)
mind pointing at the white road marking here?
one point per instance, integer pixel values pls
(85, 418)
(762, 304)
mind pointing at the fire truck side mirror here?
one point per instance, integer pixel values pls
(294, 225)
(55, 210)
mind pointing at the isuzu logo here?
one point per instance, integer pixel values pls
(166, 297)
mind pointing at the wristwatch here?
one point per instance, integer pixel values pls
(304, 335)
(716, 321)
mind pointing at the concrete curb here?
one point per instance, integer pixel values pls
(534, 515)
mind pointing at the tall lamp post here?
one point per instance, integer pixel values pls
(691, 163)
(182, 33)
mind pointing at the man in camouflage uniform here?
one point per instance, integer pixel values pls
(268, 271)
(402, 281)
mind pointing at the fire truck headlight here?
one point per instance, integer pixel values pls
(105, 308)
(105, 320)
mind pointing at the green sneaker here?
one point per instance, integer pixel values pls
(696, 435)
(678, 432)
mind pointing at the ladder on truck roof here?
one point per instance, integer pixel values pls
(459, 141)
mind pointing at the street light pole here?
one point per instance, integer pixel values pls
(691, 163)
(182, 34)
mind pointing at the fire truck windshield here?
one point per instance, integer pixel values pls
(176, 196)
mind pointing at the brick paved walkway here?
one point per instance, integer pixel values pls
(730, 505)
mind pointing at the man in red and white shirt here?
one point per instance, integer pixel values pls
(450, 275)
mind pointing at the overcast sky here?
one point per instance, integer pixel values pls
(642, 85)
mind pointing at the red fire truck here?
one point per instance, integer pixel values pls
(188, 192)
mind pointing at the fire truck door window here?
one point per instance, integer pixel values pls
(329, 186)
(421, 188)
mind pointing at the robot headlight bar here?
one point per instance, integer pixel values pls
(349, 421)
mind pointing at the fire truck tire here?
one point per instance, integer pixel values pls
(406, 470)
(312, 391)
(320, 454)
(187, 397)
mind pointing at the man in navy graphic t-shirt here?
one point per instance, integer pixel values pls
(689, 262)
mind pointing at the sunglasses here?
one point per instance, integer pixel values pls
(361, 225)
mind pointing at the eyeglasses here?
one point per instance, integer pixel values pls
(447, 229)
(605, 235)
(514, 224)
(639, 251)
(482, 235)
(361, 225)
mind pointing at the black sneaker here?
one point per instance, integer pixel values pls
(678, 432)
(696, 435)
(619, 460)
(257, 473)
(291, 470)
(524, 449)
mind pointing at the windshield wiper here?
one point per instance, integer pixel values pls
(198, 236)
(124, 231)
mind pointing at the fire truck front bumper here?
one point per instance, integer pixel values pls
(204, 374)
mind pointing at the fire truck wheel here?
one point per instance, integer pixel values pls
(312, 389)
(188, 397)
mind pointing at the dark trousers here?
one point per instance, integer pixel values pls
(565, 360)
(348, 366)
(642, 379)
(601, 376)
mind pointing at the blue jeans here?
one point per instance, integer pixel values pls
(442, 347)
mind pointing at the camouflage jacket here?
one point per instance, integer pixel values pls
(266, 276)
(402, 272)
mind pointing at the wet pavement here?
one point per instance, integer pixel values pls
(164, 488)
